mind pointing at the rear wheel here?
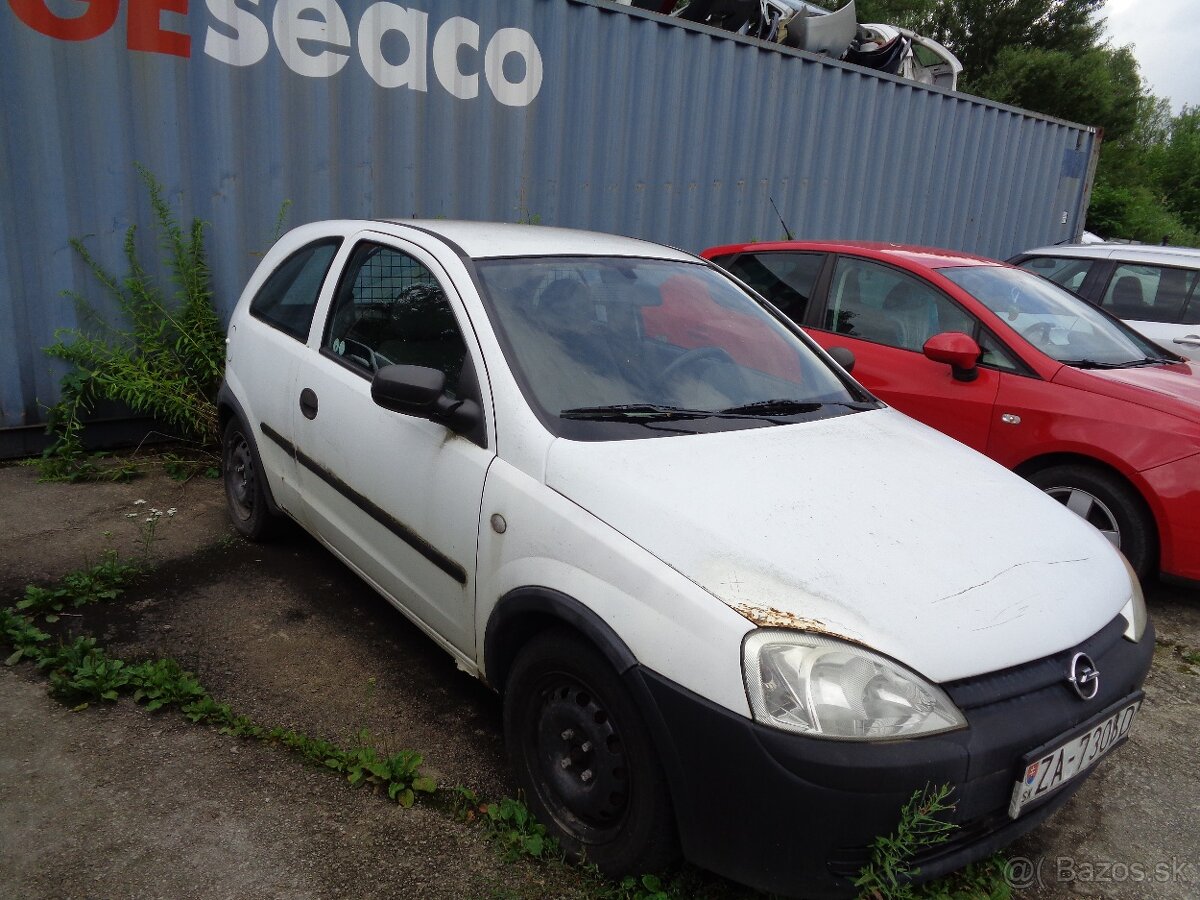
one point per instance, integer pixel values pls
(245, 490)
(1110, 504)
(584, 757)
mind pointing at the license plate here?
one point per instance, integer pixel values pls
(1048, 769)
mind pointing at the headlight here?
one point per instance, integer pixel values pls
(827, 688)
(1134, 609)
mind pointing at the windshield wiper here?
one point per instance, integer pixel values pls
(652, 412)
(1128, 364)
(792, 407)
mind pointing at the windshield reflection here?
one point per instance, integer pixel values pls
(1053, 320)
(616, 336)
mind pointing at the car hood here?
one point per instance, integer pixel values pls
(868, 526)
(1172, 389)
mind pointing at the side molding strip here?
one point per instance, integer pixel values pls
(395, 526)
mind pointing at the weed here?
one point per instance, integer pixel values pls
(888, 875)
(181, 467)
(165, 360)
(512, 827)
(82, 671)
(104, 581)
(20, 633)
(163, 682)
(399, 772)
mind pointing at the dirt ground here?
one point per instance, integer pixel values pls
(118, 802)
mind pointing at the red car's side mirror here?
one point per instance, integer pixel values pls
(959, 351)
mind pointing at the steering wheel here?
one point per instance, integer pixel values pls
(1039, 332)
(693, 356)
(361, 351)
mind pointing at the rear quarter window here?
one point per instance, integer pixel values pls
(288, 297)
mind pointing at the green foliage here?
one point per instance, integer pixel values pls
(516, 832)
(1178, 167)
(81, 671)
(1099, 86)
(104, 581)
(165, 359)
(20, 633)
(185, 467)
(922, 825)
(163, 682)
(399, 773)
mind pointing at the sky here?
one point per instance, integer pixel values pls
(1166, 39)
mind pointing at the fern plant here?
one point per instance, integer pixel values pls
(165, 358)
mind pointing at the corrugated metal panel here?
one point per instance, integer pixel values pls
(642, 126)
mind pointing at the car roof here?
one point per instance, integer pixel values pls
(1136, 253)
(482, 240)
(923, 257)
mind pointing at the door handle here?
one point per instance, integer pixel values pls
(1189, 340)
(308, 403)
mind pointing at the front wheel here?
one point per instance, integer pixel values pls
(1110, 504)
(584, 758)
(245, 490)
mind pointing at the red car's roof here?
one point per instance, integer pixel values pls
(926, 257)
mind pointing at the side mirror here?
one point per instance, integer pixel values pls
(843, 356)
(959, 351)
(421, 391)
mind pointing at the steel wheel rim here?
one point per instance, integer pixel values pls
(583, 773)
(240, 478)
(1091, 509)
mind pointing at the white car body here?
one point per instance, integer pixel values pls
(866, 527)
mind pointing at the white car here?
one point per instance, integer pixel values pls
(1152, 288)
(735, 605)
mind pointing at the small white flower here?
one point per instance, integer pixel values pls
(131, 515)
(172, 511)
(139, 502)
(150, 519)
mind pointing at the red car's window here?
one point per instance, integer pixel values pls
(878, 303)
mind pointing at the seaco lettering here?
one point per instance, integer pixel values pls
(315, 39)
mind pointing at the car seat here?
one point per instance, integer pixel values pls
(1127, 299)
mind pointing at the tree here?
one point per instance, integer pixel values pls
(978, 30)
(1178, 165)
(1096, 87)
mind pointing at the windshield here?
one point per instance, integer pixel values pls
(673, 345)
(1055, 321)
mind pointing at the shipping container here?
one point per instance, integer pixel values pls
(567, 112)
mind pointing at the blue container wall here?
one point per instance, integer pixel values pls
(614, 120)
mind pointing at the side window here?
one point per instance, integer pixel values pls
(878, 303)
(1149, 293)
(786, 279)
(391, 309)
(1068, 273)
(994, 355)
(288, 297)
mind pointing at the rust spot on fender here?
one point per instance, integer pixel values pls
(770, 617)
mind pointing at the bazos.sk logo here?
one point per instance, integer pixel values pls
(314, 38)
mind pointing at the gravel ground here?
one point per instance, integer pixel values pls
(117, 802)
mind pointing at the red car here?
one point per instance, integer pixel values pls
(1009, 363)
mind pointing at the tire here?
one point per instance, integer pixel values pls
(245, 488)
(1111, 504)
(584, 758)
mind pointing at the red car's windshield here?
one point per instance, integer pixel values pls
(1058, 323)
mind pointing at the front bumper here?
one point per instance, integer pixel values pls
(795, 815)
(1175, 490)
